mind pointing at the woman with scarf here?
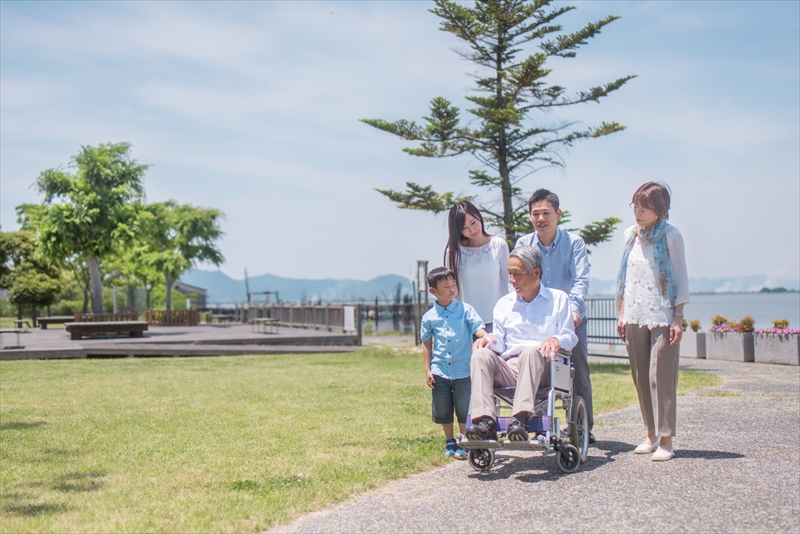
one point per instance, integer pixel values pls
(652, 288)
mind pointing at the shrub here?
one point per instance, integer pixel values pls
(694, 324)
(684, 324)
(780, 324)
(719, 320)
(746, 324)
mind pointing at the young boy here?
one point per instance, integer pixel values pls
(446, 335)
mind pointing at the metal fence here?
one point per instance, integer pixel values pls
(601, 321)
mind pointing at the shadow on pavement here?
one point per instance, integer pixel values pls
(706, 455)
(519, 467)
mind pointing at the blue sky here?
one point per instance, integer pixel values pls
(253, 108)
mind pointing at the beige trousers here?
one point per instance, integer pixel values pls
(654, 367)
(488, 370)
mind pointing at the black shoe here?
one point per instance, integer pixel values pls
(483, 429)
(591, 438)
(516, 430)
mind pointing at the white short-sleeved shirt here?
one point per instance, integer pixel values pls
(483, 276)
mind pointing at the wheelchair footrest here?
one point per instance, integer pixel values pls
(536, 444)
(466, 443)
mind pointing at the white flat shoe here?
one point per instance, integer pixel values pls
(647, 448)
(662, 455)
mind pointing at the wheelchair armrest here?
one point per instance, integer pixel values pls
(564, 352)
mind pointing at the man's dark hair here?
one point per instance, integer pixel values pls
(543, 194)
(438, 274)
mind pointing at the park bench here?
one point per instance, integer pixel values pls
(11, 331)
(265, 325)
(54, 319)
(132, 328)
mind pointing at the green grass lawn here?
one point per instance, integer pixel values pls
(225, 444)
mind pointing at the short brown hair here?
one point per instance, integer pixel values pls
(653, 196)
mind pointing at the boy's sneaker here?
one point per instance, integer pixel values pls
(483, 429)
(450, 448)
(460, 454)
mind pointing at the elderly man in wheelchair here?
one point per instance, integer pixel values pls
(533, 334)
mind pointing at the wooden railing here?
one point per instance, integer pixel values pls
(175, 317)
(105, 317)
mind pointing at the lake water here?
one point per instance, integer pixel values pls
(763, 307)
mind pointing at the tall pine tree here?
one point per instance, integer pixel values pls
(511, 137)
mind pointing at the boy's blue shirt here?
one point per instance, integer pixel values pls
(451, 329)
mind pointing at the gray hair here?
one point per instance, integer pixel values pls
(530, 257)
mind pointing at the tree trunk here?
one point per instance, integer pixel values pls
(169, 298)
(19, 312)
(147, 291)
(97, 288)
(33, 315)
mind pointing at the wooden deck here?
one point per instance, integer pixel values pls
(198, 340)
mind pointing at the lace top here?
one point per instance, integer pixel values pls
(642, 298)
(483, 276)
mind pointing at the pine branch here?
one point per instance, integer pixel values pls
(422, 198)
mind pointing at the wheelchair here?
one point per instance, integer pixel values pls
(543, 427)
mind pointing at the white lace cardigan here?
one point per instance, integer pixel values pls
(642, 298)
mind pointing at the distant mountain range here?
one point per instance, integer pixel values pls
(224, 289)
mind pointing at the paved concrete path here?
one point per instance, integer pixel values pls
(737, 469)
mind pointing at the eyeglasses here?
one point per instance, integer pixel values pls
(518, 275)
(638, 209)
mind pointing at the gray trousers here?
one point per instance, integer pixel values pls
(654, 367)
(488, 370)
(582, 385)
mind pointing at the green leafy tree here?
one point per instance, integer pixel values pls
(175, 237)
(30, 280)
(509, 134)
(89, 212)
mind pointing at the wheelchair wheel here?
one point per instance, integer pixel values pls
(570, 462)
(579, 427)
(480, 459)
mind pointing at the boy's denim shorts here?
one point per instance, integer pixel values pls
(448, 395)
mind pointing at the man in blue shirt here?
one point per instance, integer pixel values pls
(565, 266)
(446, 335)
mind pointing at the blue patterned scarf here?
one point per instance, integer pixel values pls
(657, 236)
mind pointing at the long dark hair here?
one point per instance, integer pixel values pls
(455, 225)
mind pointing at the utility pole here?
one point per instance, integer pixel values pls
(247, 287)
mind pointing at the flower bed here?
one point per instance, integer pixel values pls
(730, 345)
(777, 345)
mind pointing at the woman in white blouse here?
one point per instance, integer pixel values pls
(479, 260)
(652, 288)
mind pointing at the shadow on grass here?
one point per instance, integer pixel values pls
(80, 481)
(14, 504)
(32, 510)
(19, 425)
(622, 369)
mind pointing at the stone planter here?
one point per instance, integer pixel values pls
(693, 345)
(730, 346)
(772, 348)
